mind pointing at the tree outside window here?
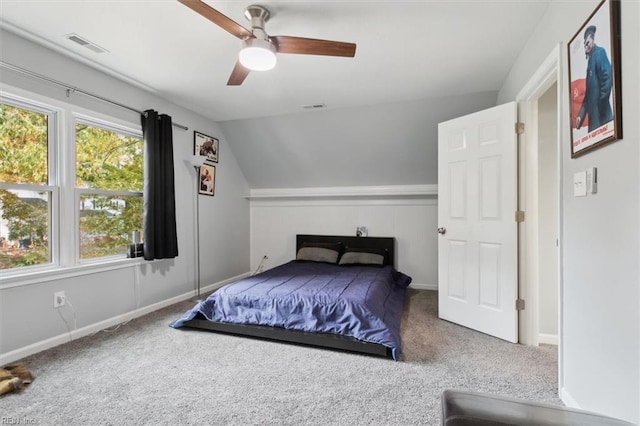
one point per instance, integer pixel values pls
(25, 194)
(109, 184)
(108, 188)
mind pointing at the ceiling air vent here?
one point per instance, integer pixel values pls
(85, 43)
(314, 106)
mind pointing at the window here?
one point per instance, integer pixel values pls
(109, 186)
(26, 190)
(70, 186)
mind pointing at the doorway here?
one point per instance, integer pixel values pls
(548, 216)
(540, 263)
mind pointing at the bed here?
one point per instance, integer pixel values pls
(339, 292)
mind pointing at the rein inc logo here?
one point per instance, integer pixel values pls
(17, 421)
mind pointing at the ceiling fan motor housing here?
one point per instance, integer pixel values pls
(257, 15)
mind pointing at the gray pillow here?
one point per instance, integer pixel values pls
(318, 254)
(363, 256)
(353, 258)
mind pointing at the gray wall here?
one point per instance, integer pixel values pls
(600, 299)
(27, 314)
(391, 144)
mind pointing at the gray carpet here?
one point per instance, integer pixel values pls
(148, 373)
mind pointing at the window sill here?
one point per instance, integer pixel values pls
(53, 273)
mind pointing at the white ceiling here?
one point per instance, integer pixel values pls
(406, 50)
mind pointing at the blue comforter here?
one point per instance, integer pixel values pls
(363, 302)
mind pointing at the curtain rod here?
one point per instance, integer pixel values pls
(72, 89)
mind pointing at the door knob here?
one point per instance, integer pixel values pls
(442, 231)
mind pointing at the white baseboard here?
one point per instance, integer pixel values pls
(34, 348)
(567, 399)
(419, 286)
(548, 339)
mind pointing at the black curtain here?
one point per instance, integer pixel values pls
(159, 208)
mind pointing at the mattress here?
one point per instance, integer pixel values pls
(362, 302)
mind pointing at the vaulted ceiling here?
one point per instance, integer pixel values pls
(406, 50)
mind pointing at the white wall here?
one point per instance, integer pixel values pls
(412, 220)
(29, 322)
(600, 283)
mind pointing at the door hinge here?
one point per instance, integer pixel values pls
(519, 216)
(519, 304)
(519, 128)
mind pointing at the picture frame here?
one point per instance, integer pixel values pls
(594, 68)
(207, 180)
(206, 146)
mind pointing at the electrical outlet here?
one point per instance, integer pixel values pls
(59, 299)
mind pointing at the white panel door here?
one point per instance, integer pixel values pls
(477, 200)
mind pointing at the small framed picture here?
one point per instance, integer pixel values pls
(207, 181)
(595, 93)
(361, 231)
(205, 146)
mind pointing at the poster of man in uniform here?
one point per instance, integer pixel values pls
(594, 76)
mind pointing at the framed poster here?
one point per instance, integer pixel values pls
(205, 146)
(594, 80)
(207, 180)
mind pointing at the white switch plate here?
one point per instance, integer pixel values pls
(580, 184)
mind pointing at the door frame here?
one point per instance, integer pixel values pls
(550, 71)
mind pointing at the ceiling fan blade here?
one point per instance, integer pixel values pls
(311, 46)
(238, 75)
(218, 18)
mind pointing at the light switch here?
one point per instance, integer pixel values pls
(580, 184)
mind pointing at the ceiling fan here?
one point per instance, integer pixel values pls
(259, 49)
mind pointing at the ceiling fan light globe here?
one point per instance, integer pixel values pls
(257, 55)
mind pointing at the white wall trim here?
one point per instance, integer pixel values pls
(56, 273)
(342, 202)
(568, 399)
(548, 339)
(344, 191)
(543, 78)
(550, 70)
(420, 286)
(97, 327)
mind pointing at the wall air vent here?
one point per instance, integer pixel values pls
(314, 106)
(85, 43)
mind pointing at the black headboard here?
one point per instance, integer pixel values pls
(380, 243)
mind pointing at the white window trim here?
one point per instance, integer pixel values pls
(65, 261)
(101, 123)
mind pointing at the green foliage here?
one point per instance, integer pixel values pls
(32, 256)
(105, 160)
(27, 218)
(105, 230)
(23, 146)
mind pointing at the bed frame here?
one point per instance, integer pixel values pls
(324, 340)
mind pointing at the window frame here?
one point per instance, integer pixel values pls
(64, 213)
(52, 185)
(78, 192)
